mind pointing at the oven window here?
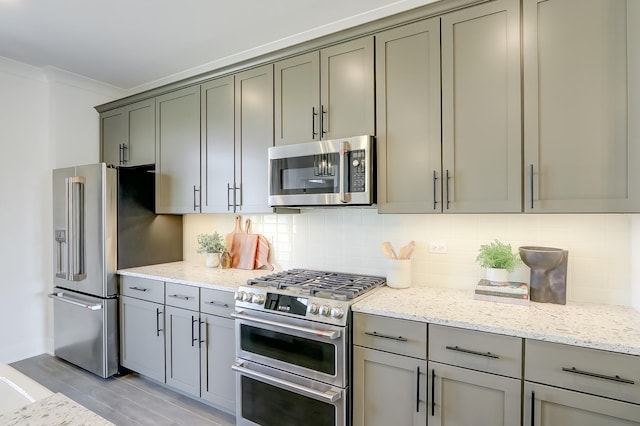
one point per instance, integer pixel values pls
(268, 405)
(312, 174)
(311, 354)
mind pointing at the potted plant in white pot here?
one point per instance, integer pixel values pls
(499, 260)
(213, 246)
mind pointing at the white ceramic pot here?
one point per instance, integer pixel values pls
(212, 260)
(497, 275)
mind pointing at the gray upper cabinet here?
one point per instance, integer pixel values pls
(128, 134)
(218, 141)
(472, 161)
(481, 113)
(326, 94)
(581, 102)
(253, 137)
(178, 151)
(408, 118)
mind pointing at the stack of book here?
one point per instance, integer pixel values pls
(508, 292)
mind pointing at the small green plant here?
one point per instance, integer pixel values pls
(210, 243)
(497, 255)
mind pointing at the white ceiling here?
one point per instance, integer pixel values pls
(138, 44)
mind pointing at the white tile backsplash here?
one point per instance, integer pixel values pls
(600, 262)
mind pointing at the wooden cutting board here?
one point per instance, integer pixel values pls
(244, 248)
(236, 230)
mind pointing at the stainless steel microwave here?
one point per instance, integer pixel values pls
(335, 172)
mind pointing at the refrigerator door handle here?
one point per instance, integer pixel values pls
(75, 214)
(60, 296)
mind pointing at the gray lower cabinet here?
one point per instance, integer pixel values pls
(217, 354)
(183, 350)
(460, 396)
(388, 389)
(178, 151)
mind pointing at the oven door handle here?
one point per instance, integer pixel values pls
(332, 335)
(328, 396)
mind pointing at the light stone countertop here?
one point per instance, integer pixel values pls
(53, 410)
(196, 274)
(607, 327)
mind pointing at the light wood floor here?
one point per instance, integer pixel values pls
(126, 400)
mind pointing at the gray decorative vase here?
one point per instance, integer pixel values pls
(548, 273)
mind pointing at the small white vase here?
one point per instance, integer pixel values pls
(212, 260)
(498, 275)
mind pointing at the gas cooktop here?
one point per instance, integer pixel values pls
(329, 285)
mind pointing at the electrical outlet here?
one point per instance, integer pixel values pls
(438, 248)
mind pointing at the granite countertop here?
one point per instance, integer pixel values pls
(196, 274)
(607, 327)
(56, 409)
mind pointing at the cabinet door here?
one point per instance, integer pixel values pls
(408, 118)
(178, 151)
(388, 389)
(254, 136)
(142, 337)
(112, 136)
(549, 406)
(467, 397)
(183, 350)
(347, 89)
(140, 133)
(481, 124)
(297, 99)
(218, 140)
(217, 354)
(581, 132)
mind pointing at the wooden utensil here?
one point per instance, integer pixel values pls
(406, 251)
(388, 250)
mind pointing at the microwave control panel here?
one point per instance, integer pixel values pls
(357, 172)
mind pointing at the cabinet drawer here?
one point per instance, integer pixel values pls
(488, 352)
(593, 371)
(216, 302)
(183, 296)
(142, 288)
(394, 335)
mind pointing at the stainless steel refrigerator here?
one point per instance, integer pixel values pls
(86, 217)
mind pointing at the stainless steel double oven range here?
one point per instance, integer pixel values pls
(293, 347)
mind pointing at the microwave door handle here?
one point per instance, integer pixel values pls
(345, 197)
(328, 396)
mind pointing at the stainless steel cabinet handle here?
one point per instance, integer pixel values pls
(158, 329)
(345, 197)
(229, 205)
(615, 378)
(216, 303)
(138, 288)
(60, 297)
(125, 154)
(179, 296)
(533, 408)
(385, 336)
(237, 189)
(332, 335)
(433, 392)
(531, 183)
(322, 114)
(120, 154)
(447, 187)
(328, 396)
(472, 352)
(313, 123)
(435, 190)
(417, 389)
(200, 339)
(196, 200)
(193, 333)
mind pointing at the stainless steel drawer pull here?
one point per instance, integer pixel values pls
(60, 296)
(179, 296)
(216, 303)
(472, 352)
(615, 378)
(138, 288)
(385, 336)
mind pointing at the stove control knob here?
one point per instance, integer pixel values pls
(337, 312)
(325, 310)
(239, 295)
(246, 297)
(257, 299)
(313, 308)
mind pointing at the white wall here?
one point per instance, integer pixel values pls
(600, 255)
(47, 120)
